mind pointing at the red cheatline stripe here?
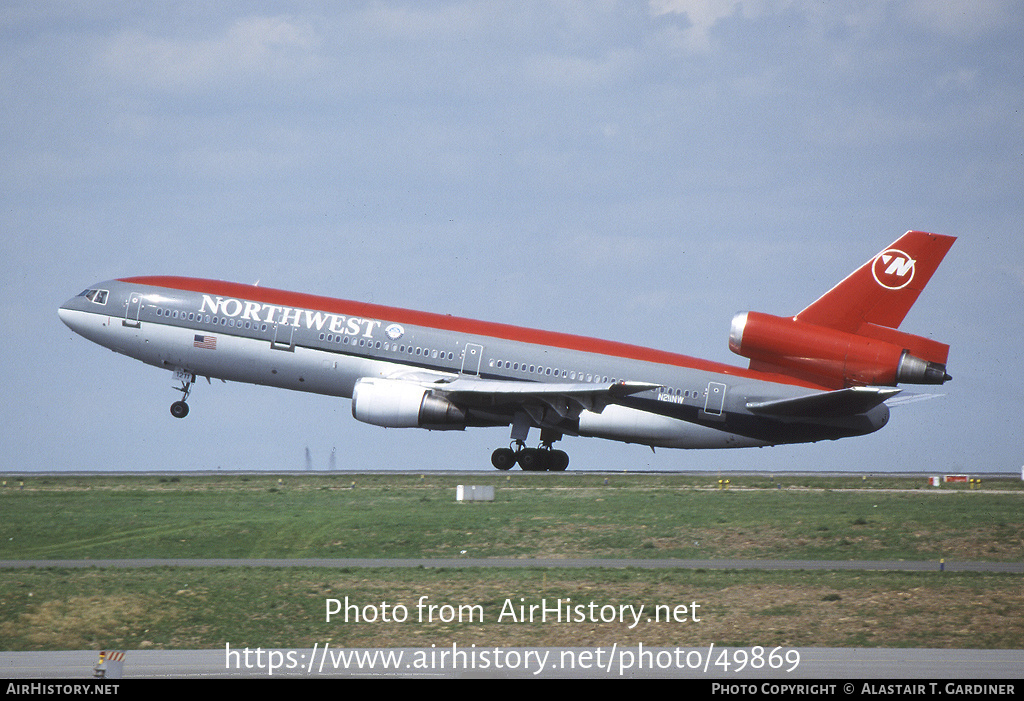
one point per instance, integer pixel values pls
(444, 322)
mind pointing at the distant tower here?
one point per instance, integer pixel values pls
(309, 459)
(331, 464)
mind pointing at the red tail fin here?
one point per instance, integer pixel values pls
(883, 290)
(849, 336)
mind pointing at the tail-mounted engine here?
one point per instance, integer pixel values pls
(875, 355)
(402, 404)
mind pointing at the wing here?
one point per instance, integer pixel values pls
(567, 400)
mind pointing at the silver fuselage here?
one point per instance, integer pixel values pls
(315, 344)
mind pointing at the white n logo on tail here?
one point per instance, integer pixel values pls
(893, 269)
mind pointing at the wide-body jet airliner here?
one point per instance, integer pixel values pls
(822, 374)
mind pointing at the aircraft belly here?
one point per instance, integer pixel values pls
(254, 361)
(629, 425)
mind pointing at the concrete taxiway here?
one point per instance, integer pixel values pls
(632, 662)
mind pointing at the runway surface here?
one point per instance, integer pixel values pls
(494, 662)
(879, 565)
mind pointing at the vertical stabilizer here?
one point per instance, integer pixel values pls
(883, 290)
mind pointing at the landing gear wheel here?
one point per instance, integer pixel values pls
(503, 458)
(534, 460)
(559, 461)
(527, 459)
(179, 410)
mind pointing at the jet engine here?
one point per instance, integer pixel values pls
(402, 404)
(875, 355)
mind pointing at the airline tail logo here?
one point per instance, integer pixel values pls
(893, 269)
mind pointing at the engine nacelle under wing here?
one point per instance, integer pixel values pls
(402, 404)
(874, 356)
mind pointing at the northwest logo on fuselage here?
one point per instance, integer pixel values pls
(893, 269)
(289, 316)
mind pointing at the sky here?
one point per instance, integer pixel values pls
(636, 171)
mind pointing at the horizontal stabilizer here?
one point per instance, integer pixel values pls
(841, 402)
(912, 397)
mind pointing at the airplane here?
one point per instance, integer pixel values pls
(823, 374)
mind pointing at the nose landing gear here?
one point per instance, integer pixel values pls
(179, 409)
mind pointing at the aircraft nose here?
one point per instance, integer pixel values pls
(65, 315)
(71, 314)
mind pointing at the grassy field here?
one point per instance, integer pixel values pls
(533, 515)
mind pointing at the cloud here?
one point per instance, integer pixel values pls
(963, 19)
(252, 47)
(703, 15)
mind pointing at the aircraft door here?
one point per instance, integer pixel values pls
(283, 338)
(133, 306)
(471, 359)
(714, 400)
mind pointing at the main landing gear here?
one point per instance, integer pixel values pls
(542, 459)
(179, 410)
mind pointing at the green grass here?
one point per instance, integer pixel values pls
(205, 608)
(400, 516)
(535, 516)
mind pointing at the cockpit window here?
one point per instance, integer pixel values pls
(97, 296)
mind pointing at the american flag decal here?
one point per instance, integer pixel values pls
(205, 342)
